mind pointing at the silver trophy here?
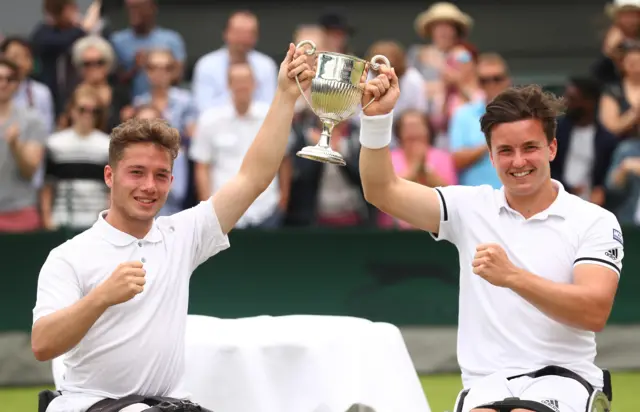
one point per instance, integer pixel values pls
(336, 93)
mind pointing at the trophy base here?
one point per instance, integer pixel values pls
(322, 154)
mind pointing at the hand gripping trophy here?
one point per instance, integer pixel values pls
(336, 93)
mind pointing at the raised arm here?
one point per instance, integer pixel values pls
(262, 161)
(408, 201)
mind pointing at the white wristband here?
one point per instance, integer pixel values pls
(375, 131)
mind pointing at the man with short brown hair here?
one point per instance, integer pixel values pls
(210, 86)
(539, 267)
(113, 300)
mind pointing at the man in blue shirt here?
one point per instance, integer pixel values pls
(466, 140)
(210, 82)
(130, 44)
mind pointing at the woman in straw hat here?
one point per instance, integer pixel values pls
(447, 63)
(446, 26)
(625, 17)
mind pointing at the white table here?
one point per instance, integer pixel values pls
(299, 364)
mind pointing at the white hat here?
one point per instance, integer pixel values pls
(442, 11)
(617, 5)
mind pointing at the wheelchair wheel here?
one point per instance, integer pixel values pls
(600, 403)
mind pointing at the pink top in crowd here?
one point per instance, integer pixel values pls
(438, 160)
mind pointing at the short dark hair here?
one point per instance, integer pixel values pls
(9, 40)
(588, 87)
(521, 103)
(156, 131)
(10, 64)
(56, 7)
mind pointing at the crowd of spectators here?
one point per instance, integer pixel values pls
(64, 87)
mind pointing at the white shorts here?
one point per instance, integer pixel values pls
(559, 393)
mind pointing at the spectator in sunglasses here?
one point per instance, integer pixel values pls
(175, 103)
(94, 59)
(74, 191)
(466, 140)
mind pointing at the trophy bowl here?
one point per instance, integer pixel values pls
(336, 94)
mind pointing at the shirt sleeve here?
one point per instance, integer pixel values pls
(602, 244)
(202, 228)
(452, 201)
(201, 149)
(58, 286)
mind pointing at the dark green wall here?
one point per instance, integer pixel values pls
(403, 278)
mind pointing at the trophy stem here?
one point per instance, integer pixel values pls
(325, 136)
(322, 151)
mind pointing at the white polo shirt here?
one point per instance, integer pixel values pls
(498, 330)
(136, 347)
(222, 139)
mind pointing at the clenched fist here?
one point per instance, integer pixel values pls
(493, 265)
(385, 89)
(296, 64)
(124, 283)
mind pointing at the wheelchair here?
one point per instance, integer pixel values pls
(599, 401)
(44, 399)
(46, 396)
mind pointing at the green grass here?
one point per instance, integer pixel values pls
(441, 391)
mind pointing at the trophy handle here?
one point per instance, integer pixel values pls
(376, 66)
(308, 52)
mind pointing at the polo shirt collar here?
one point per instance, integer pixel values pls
(119, 238)
(557, 208)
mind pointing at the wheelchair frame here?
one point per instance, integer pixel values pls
(599, 400)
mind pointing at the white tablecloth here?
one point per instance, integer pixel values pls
(299, 364)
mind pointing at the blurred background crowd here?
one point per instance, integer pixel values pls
(68, 83)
